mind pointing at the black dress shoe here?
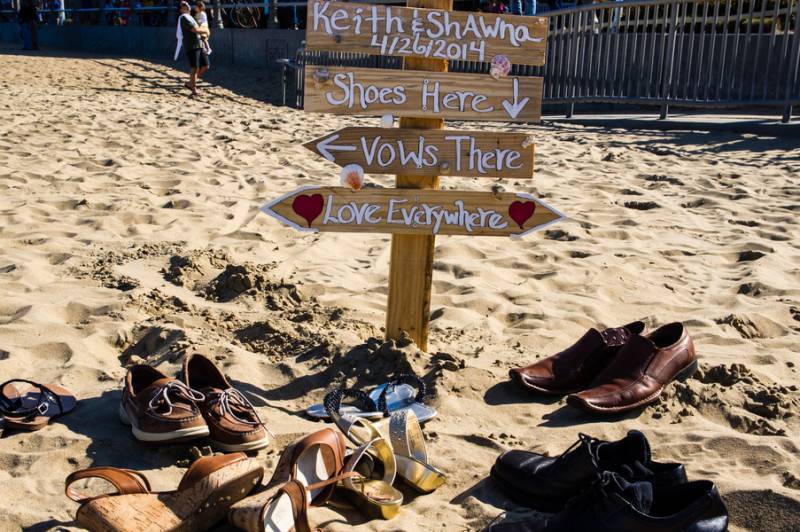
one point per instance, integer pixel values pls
(613, 504)
(546, 484)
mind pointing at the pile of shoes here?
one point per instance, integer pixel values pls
(308, 472)
(607, 486)
(614, 370)
(393, 448)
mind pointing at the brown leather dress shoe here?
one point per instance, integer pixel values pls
(640, 371)
(232, 420)
(159, 408)
(574, 368)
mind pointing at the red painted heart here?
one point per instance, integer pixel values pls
(308, 207)
(521, 211)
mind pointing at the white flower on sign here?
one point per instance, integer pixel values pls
(352, 176)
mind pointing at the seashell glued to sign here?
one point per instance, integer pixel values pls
(320, 76)
(500, 67)
(352, 176)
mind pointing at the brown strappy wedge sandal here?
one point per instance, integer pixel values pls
(314, 462)
(206, 492)
(33, 407)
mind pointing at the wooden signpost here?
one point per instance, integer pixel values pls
(429, 33)
(423, 152)
(412, 212)
(369, 91)
(426, 34)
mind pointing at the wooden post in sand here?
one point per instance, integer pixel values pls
(411, 262)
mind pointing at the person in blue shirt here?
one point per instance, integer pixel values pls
(530, 7)
(58, 7)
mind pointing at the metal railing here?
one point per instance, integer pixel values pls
(707, 54)
(222, 13)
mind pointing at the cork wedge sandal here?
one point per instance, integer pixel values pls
(206, 492)
(33, 408)
(315, 463)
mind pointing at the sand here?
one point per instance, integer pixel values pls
(130, 232)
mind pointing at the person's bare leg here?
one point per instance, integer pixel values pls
(192, 85)
(200, 71)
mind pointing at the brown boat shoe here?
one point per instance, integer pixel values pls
(233, 421)
(574, 368)
(640, 371)
(159, 408)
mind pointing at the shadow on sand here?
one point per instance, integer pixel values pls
(161, 76)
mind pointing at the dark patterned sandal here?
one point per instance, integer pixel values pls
(406, 391)
(32, 408)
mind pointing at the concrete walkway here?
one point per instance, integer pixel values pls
(738, 123)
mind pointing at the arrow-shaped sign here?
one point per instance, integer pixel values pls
(448, 95)
(516, 105)
(425, 152)
(409, 211)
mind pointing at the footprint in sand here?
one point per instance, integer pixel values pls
(177, 204)
(663, 179)
(746, 223)
(749, 255)
(694, 204)
(642, 205)
(559, 234)
(53, 352)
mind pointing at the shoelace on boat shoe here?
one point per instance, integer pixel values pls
(231, 400)
(176, 390)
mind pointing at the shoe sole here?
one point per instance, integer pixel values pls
(536, 502)
(191, 433)
(579, 403)
(535, 389)
(240, 447)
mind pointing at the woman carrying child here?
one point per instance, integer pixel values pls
(189, 34)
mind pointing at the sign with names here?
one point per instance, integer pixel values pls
(410, 211)
(370, 92)
(426, 152)
(432, 33)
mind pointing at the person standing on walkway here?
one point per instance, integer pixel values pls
(27, 25)
(61, 14)
(529, 10)
(189, 35)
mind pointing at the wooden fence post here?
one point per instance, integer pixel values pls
(411, 266)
